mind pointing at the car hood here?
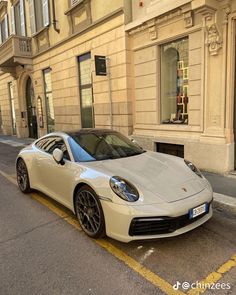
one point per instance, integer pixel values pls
(158, 177)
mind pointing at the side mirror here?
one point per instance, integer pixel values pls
(58, 156)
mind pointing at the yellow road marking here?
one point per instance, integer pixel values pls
(8, 177)
(214, 277)
(129, 261)
(140, 269)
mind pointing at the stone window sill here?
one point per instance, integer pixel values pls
(40, 31)
(70, 10)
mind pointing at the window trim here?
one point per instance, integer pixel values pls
(46, 21)
(45, 94)
(5, 20)
(22, 18)
(72, 7)
(170, 126)
(85, 86)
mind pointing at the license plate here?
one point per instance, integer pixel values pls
(198, 211)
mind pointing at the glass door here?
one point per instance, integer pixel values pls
(31, 110)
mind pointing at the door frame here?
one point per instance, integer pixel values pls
(32, 125)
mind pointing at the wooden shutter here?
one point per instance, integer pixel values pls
(13, 25)
(32, 16)
(45, 13)
(22, 18)
(73, 2)
(6, 26)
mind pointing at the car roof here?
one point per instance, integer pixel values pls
(97, 131)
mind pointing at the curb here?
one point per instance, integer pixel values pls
(224, 202)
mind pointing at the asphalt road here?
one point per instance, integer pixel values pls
(43, 251)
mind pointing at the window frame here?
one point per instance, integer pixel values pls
(4, 21)
(184, 101)
(45, 95)
(81, 58)
(53, 138)
(34, 17)
(18, 22)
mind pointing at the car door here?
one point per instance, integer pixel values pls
(56, 180)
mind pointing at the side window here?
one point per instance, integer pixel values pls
(48, 145)
(42, 143)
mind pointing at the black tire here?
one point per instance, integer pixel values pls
(23, 176)
(89, 212)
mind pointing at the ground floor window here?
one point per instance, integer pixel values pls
(86, 91)
(49, 100)
(174, 82)
(12, 104)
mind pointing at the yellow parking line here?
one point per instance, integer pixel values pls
(122, 256)
(140, 269)
(153, 278)
(8, 177)
(214, 277)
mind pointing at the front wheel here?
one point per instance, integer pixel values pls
(22, 176)
(89, 212)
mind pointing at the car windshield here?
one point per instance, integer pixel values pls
(92, 146)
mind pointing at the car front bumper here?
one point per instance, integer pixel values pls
(119, 218)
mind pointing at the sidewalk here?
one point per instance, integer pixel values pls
(224, 187)
(14, 141)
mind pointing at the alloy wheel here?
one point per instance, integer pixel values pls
(22, 176)
(89, 212)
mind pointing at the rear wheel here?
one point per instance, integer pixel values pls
(22, 176)
(89, 212)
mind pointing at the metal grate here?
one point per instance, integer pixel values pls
(160, 225)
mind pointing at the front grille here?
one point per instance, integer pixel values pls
(160, 225)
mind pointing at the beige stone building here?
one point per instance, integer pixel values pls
(47, 78)
(184, 64)
(169, 80)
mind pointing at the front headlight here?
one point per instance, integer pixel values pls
(193, 168)
(124, 189)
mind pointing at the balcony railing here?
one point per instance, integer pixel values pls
(16, 50)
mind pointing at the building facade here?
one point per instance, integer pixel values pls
(169, 80)
(48, 80)
(184, 79)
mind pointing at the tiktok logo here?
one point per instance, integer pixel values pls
(177, 285)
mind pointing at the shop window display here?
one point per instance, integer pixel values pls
(174, 82)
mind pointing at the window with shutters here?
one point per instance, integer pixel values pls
(18, 19)
(4, 33)
(73, 2)
(39, 15)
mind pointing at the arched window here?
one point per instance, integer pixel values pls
(174, 82)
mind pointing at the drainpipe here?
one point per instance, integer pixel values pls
(54, 21)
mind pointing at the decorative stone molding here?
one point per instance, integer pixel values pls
(214, 40)
(208, 14)
(226, 11)
(151, 25)
(169, 16)
(188, 18)
(138, 29)
(152, 29)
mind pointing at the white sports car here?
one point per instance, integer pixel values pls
(114, 186)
